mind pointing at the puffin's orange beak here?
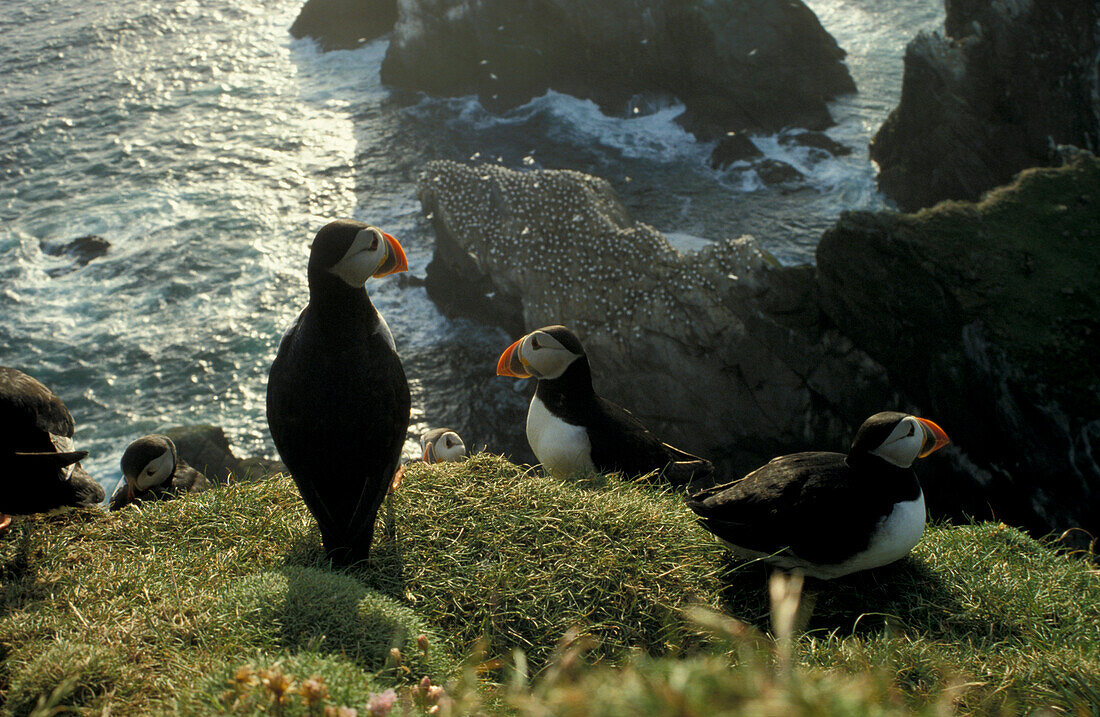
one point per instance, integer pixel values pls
(935, 438)
(509, 363)
(395, 259)
(427, 457)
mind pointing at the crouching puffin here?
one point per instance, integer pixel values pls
(442, 444)
(337, 397)
(829, 514)
(153, 470)
(39, 470)
(573, 430)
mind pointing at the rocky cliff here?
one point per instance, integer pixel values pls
(722, 352)
(987, 316)
(735, 64)
(344, 24)
(1009, 79)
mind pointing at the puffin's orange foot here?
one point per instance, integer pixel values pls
(397, 478)
(5, 523)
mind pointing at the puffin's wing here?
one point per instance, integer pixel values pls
(395, 401)
(633, 449)
(188, 479)
(785, 503)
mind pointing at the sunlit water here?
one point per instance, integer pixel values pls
(207, 147)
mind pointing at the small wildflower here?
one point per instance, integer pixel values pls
(422, 643)
(276, 682)
(313, 690)
(245, 676)
(395, 655)
(380, 704)
(341, 712)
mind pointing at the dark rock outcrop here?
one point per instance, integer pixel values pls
(988, 317)
(206, 449)
(82, 250)
(733, 147)
(735, 64)
(988, 100)
(344, 24)
(723, 352)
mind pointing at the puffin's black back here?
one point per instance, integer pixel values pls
(338, 403)
(813, 503)
(29, 413)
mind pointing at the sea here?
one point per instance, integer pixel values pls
(207, 146)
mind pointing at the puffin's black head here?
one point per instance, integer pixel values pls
(353, 252)
(149, 461)
(543, 353)
(897, 438)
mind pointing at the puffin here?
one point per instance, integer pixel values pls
(572, 430)
(442, 444)
(39, 469)
(829, 514)
(337, 397)
(153, 470)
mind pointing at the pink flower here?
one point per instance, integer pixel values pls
(380, 705)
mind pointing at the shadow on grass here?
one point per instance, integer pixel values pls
(383, 571)
(903, 597)
(19, 574)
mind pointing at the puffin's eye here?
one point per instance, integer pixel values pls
(535, 343)
(912, 430)
(449, 444)
(373, 243)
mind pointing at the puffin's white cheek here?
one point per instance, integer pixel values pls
(356, 268)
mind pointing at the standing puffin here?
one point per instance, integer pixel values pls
(442, 444)
(153, 470)
(573, 430)
(829, 514)
(337, 398)
(39, 470)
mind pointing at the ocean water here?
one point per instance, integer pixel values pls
(207, 146)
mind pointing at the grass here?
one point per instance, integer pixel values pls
(588, 598)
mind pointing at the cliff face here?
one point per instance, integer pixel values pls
(988, 317)
(344, 24)
(722, 352)
(990, 98)
(735, 64)
(984, 317)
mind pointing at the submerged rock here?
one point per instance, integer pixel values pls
(735, 64)
(344, 24)
(723, 352)
(988, 100)
(987, 316)
(82, 250)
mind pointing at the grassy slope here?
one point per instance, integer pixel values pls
(130, 612)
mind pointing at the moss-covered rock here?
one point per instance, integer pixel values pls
(987, 316)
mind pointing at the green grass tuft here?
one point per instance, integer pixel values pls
(224, 602)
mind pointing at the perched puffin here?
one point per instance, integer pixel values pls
(153, 470)
(337, 398)
(39, 470)
(573, 430)
(442, 444)
(829, 514)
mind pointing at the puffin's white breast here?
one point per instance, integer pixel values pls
(896, 534)
(562, 448)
